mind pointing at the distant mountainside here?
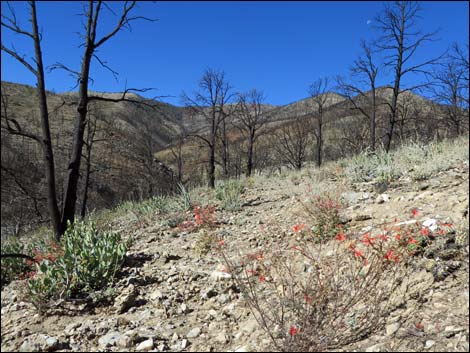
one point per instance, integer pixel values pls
(132, 141)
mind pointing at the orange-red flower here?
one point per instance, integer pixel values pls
(414, 212)
(307, 298)
(384, 237)
(262, 278)
(424, 231)
(391, 256)
(298, 227)
(368, 240)
(293, 330)
(340, 236)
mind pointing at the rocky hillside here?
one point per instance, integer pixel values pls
(174, 293)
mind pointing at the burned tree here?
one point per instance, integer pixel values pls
(319, 94)
(92, 42)
(251, 119)
(365, 71)
(14, 128)
(399, 40)
(291, 141)
(209, 103)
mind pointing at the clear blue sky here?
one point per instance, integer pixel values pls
(279, 47)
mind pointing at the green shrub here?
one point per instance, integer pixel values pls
(157, 204)
(13, 267)
(326, 220)
(183, 200)
(86, 261)
(230, 193)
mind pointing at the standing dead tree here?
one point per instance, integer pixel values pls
(210, 104)
(13, 127)
(319, 94)
(399, 40)
(292, 140)
(365, 71)
(92, 42)
(251, 119)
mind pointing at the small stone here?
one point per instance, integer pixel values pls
(126, 299)
(184, 308)
(222, 338)
(223, 299)
(429, 344)
(52, 344)
(218, 275)
(382, 198)
(27, 346)
(431, 224)
(124, 341)
(375, 348)
(184, 343)
(195, 332)
(145, 345)
(392, 328)
(109, 340)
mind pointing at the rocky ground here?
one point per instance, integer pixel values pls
(172, 298)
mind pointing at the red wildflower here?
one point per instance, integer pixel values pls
(425, 231)
(368, 240)
(441, 231)
(398, 237)
(358, 253)
(419, 326)
(221, 243)
(307, 298)
(449, 225)
(262, 278)
(340, 236)
(293, 330)
(298, 227)
(391, 256)
(412, 241)
(384, 237)
(414, 212)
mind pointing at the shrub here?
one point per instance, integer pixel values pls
(230, 193)
(203, 218)
(318, 296)
(13, 267)
(183, 200)
(86, 260)
(314, 297)
(205, 242)
(325, 212)
(145, 210)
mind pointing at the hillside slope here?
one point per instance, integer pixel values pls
(173, 297)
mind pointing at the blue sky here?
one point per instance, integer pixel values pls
(279, 47)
